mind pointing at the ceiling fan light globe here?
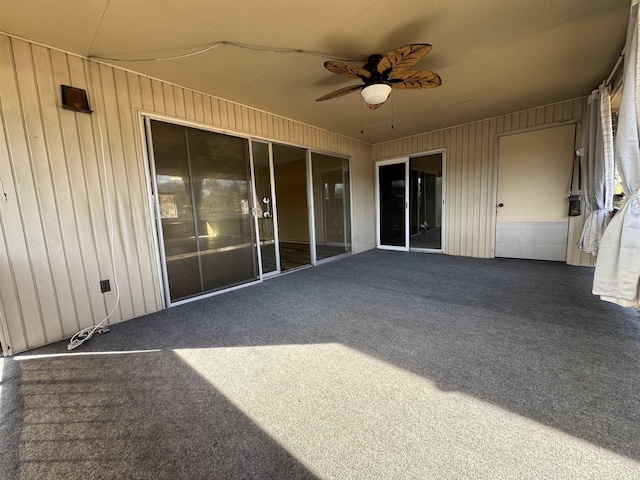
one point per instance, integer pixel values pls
(376, 93)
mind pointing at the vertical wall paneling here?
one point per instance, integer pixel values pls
(13, 248)
(181, 107)
(56, 225)
(471, 174)
(36, 193)
(115, 200)
(198, 111)
(158, 96)
(208, 110)
(92, 220)
(169, 100)
(67, 274)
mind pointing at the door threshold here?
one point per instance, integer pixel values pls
(291, 270)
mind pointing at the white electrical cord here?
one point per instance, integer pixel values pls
(255, 48)
(86, 333)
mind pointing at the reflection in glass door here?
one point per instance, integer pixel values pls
(392, 204)
(202, 186)
(332, 205)
(425, 208)
(266, 209)
(290, 174)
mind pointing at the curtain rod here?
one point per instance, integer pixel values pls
(615, 69)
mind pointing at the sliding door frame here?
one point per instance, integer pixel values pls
(348, 159)
(144, 119)
(155, 220)
(274, 207)
(407, 161)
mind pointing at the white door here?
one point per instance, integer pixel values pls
(392, 204)
(534, 172)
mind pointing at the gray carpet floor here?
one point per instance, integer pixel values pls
(380, 365)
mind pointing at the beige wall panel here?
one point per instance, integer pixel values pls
(228, 120)
(223, 116)
(68, 274)
(158, 96)
(471, 169)
(138, 229)
(92, 220)
(106, 113)
(36, 188)
(55, 243)
(198, 110)
(475, 166)
(88, 300)
(237, 117)
(207, 107)
(13, 238)
(169, 99)
(181, 107)
(147, 93)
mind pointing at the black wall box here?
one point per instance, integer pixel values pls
(75, 99)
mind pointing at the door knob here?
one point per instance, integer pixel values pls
(501, 205)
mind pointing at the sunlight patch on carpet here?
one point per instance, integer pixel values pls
(344, 414)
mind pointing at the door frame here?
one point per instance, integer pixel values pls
(407, 160)
(274, 208)
(350, 185)
(393, 161)
(494, 211)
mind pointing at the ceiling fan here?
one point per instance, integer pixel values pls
(382, 73)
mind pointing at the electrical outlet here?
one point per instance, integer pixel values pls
(105, 286)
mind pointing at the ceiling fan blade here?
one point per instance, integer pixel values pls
(415, 79)
(339, 92)
(347, 70)
(375, 106)
(404, 57)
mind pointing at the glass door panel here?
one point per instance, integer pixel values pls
(203, 185)
(332, 205)
(265, 207)
(290, 173)
(392, 205)
(173, 184)
(425, 192)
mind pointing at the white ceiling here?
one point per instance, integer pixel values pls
(494, 56)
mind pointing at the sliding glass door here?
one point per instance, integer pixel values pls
(232, 210)
(409, 201)
(202, 183)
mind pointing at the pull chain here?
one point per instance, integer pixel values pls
(361, 121)
(392, 102)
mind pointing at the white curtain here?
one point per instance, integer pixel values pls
(599, 169)
(617, 275)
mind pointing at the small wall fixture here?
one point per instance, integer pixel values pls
(376, 93)
(75, 99)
